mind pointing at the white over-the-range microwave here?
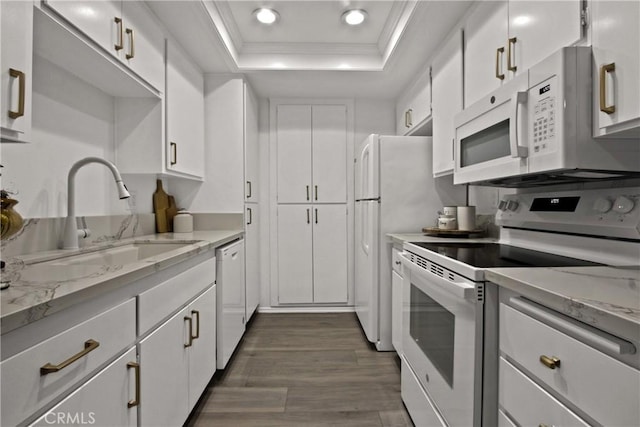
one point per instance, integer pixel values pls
(536, 130)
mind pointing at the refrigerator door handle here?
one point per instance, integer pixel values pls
(364, 224)
(364, 169)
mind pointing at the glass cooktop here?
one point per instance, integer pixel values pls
(493, 255)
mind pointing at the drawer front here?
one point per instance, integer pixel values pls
(102, 401)
(415, 399)
(604, 388)
(25, 389)
(161, 301)
(530, 405)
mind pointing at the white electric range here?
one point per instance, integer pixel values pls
(450, 311)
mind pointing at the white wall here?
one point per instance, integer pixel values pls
(71, 120)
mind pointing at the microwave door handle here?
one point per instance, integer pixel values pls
(517, 150)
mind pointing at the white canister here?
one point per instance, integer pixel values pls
(450, 211)
(183, 222)
(447, 222)
(466, 218)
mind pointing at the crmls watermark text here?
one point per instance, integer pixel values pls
(71, 418)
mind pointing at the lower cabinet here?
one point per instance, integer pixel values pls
(177, 360)
(88, 405)
(312, 254)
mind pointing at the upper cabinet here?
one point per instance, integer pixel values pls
(446, 72)
(184, 113)
(616, 54)
(413, 108)
(311, 153)
(15, 67)
(125, 29)
(506, 38)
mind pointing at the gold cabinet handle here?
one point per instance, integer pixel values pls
(410, 114)
(190, 320)
(512, 43)
(89, 346)
(550, 362)
(316, 192)
(132, 45)
(607, 68)
(174, 153)
(308, 219)
(120, 44)
(136, 400)
(196, 314)
(250, 215)
(406, 119)
(249, 192)
(499, 53)
(307, 192)
(316, 215)
(21, 92)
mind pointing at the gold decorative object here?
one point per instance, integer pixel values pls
(11, 220)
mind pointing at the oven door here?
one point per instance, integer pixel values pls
(442, 339)
(491, 135)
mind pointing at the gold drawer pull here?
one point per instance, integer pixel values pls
(136, 401)
(132, 44)
(512, 42)
(604, 70)
(190, 320)
(21, 92)
(89, 346)
(550, 362)
(196, 313)
(499, 53)
(120, 44)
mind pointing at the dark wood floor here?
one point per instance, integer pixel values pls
(304, 370)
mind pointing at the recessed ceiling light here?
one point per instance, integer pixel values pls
(354, 16)
(266, 16)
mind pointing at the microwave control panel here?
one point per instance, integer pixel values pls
(543, 102)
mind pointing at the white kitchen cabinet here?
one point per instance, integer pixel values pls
(184, 113)
(312, 254)
(505, 38)
(16, 40)
(126, 30)
(616, 58)
(252, 258)
(545, 361)
(177, 360)
(251, 145)
(486, 32)
(311, 153)
(88, 406)
(35, 377)
(413, 108)
(446, 70)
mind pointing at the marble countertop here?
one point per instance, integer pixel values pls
(605, 297)
(40, 284)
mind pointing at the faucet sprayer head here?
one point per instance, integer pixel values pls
(123, 193)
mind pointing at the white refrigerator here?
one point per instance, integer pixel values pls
(395, 192)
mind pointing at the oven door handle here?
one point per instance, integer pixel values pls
(459, 289)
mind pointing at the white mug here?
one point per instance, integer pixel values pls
(466, 218)
(447, 223)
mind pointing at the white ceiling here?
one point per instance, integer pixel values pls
(309, 52)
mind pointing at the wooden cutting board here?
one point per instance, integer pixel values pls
(172, 211)
(160, 206)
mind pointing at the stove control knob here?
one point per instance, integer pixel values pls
(602, 205)
(512, 205)
(623, 205)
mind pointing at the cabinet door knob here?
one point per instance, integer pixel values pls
(550, 362)
(604, 70)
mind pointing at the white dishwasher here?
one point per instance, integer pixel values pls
(230, 309)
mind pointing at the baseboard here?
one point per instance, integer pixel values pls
(324, 309)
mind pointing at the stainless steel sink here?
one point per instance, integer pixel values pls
(125, 254)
